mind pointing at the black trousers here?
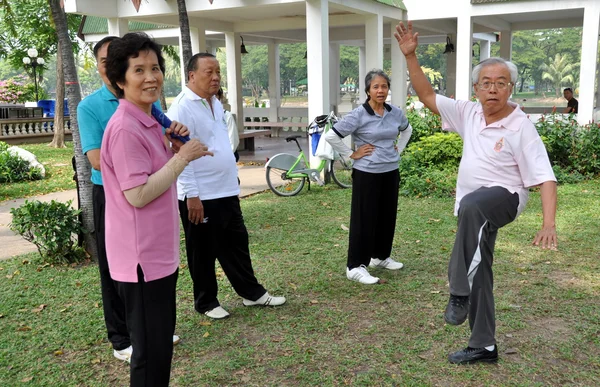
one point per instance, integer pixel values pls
(373, 216)
(223, 237)
(114, 309)
(151, 316)
(481, 214)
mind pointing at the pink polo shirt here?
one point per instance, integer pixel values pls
(132, 150)
(508, 153)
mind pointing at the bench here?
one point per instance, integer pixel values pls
(275, 126)
(247, 138)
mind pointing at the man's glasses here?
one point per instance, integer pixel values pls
(500, 85)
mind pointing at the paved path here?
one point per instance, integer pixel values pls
(251, 174)
(252, 180)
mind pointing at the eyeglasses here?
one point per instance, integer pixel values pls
(500, 85)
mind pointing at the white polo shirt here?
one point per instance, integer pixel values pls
(207, 177)
(508, 153)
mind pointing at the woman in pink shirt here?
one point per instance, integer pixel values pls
(142, 226)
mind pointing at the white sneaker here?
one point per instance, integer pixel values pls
(217, 313)
(124, 354)
(360, 274)
(387, 263)
(265, 300)
(176, 339)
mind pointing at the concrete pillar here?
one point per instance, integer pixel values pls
(118, 26)
(484, 49)
(589, 61)
(362, 73)
(198, 40)
(464, 52)
(317, 46)
(506, 44)
(234, 77)
(334, 77)
(374, 42)
(274, 82)
(399, 75)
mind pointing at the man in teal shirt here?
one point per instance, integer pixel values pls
(93, 114)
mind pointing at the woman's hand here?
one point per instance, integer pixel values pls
(179, 129)
(362, 151)
(407, 41)
(193, 150)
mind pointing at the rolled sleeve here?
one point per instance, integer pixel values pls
(90, 128)
(534, 164)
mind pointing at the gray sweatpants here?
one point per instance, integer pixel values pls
(480, 215)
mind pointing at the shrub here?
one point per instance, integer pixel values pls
(13, 168)
(429, 166)
(423, 121)
(567, 177)
(51, 227)
(571, 147)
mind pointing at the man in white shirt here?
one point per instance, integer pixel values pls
(208, 197)
(503, 156)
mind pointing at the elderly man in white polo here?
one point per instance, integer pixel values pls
(503, 156)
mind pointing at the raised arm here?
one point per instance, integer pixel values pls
(408, 42)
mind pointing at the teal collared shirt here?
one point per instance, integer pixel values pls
(93, 114)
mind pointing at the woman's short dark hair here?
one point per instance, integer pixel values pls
(129, 46)
(372, 74)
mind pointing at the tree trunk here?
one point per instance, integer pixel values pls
(74, 97)
(184, 26)
(58, 141)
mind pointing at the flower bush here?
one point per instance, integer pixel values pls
(19, 89)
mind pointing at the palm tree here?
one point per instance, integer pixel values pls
(558, 72)
(74, 97)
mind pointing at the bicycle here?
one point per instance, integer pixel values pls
(286, 174)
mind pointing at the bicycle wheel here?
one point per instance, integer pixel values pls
(341, 172)
(282, 185)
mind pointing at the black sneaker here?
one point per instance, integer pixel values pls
(473, 355)
(457, 310)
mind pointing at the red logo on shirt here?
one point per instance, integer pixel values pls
(499, 145)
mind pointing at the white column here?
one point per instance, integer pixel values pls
(506, 44)
(399, 76)
(484, 49)
(374, 42)
(464, 51)
(317, 45)
(234, 77)
(118, 26)
(274, 83)
(334, 76)
(589, 60)
(451, 70)
(362, 73)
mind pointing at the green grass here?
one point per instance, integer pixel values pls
(333, 332)
(59, 173)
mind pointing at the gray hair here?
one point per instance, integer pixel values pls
(512, 68)
(372, 74)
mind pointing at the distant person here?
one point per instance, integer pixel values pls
(208, 191)
(502, 157)
(380, 132)
(142, 230)
(572, 103)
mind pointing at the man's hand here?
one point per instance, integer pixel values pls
(195, 210)
(546, 238)
(407, 40)
(362, 151)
